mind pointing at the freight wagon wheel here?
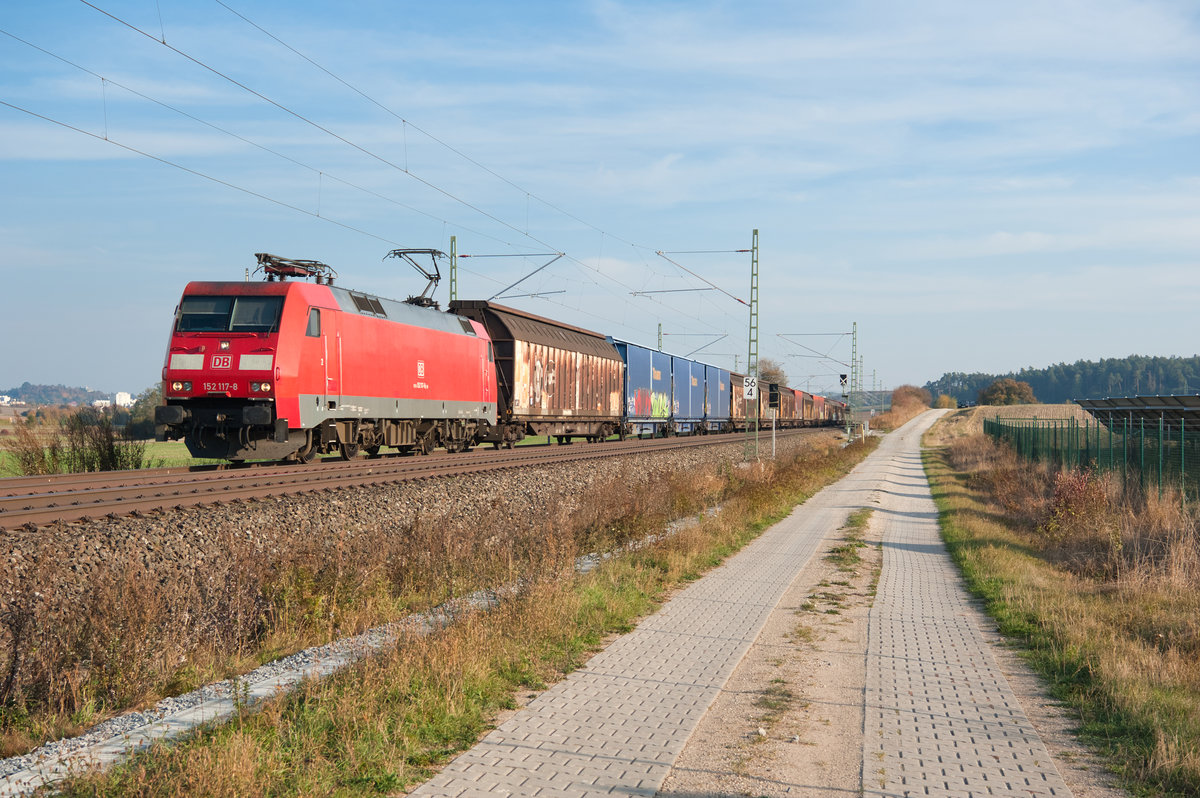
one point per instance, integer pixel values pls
(372, 451)
(348, 450)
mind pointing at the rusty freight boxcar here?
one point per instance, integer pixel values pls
(786, 413)
(552, 378)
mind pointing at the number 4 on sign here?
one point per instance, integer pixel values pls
(750, 386)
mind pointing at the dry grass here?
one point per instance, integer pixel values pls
(896, 417)
(74, 651)
(1105, 588)
(388, 721)
(88, 441)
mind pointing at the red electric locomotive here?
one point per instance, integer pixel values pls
(288, 369)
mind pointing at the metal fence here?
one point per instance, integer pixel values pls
(1151, 455)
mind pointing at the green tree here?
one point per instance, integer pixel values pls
(141, 415)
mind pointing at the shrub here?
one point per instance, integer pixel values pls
(1079, 511)
(89, 442)
(33, 453)
(907, 402)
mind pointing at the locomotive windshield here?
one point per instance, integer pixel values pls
(246, 314)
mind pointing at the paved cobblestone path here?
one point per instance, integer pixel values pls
(940, 720)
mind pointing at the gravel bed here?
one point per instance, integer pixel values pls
(133, 730)
(55, 571)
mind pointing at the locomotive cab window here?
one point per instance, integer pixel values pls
(314, 323)
(249, 314)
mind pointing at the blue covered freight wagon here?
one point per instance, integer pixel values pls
(647, 396)
(716, 399)
(687, 405)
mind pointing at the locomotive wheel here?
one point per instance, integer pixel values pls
(306, 454)
(348, 451)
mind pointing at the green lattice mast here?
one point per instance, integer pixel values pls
(751, 449)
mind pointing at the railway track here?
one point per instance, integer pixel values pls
(42, 500)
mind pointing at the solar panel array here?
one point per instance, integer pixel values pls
(1170, 409)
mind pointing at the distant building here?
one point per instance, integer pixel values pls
(6, 400)
(123, 399)
(102, 403)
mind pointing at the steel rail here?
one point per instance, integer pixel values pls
(38, 501)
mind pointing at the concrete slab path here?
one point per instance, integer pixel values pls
(940, 719)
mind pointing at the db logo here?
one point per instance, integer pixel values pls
(222, 361)
(420, 368)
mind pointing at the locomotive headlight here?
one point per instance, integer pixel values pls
(265, 387)
(224, 345)
(177, 386)
(187, 385)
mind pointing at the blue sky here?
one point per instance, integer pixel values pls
(980, 186)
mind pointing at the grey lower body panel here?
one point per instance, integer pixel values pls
(315, 410)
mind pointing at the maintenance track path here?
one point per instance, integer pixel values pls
(939, 717)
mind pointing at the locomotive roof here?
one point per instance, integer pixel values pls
(348, 301)
(403, 312)
(517, 325)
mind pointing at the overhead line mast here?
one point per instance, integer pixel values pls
(751, 448)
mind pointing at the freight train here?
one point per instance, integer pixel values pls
(287, 369)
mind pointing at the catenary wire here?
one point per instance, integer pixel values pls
(581, 263)
(252, 143)
(422, 131)
(358, 147)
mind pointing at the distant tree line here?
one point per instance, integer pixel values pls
(135, 422)
(1136, 375)
(32, 394)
